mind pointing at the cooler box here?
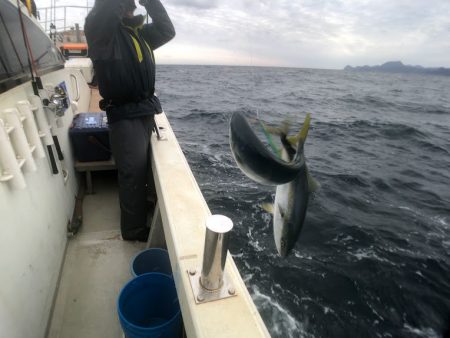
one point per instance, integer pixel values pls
(89, 136)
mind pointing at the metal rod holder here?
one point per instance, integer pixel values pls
(215, 253)
(212, 283)
(160, 136)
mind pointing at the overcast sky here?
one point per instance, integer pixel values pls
(305, 33)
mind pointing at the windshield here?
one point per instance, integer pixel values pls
(14, 62)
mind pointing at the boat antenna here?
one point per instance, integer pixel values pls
(35, 79)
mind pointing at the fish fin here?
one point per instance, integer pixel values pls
(313, 184)
(271, 130)
(293, 140)
(285, 126)
(282, 211)
(302, 134)
(279, 131)
(268, 207)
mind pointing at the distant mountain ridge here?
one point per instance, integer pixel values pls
(399, 67)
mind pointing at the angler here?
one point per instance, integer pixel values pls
(121, 47)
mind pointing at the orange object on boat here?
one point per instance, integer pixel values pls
(74, 49)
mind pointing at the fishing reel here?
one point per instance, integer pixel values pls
(57, 101)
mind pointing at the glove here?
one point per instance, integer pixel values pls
(129, 5)
(145, 2)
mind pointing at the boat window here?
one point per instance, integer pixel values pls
(3, 70)
(14, 64)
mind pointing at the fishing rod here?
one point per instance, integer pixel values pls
(35, 79)
(37, 86)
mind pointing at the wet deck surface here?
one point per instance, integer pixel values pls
(96, 267)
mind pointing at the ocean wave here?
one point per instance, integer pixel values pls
(412, 173)
(417, 191)
(364, 130)
(426, 332)
(284, 324)
(195, 115)
(350, 180)
(374, 252)
(366, 100)
(432, 146)
(381, 184)
(369, 254)
(426, 109)
(399, 131)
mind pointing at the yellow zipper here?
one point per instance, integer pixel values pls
(138, 48)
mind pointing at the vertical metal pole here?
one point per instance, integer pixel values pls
(215, 254)
(77, 33)
(46, 19)
(54, 12)
(65, 25)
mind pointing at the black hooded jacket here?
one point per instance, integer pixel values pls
(122, 54)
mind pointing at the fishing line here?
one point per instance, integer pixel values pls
(268, 136)
(252, 73)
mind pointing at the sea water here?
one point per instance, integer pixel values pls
(373, 258)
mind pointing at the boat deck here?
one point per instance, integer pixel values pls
(96, 267)
(98, 262)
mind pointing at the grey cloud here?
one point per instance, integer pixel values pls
(317, 33)
(199, 4)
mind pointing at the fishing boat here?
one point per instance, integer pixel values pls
(62, 280)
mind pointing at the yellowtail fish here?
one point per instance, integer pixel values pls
(289, 173)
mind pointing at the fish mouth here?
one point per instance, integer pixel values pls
(254, 159)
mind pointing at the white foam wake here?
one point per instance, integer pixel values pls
(283, 323)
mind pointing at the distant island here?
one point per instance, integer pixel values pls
(399, 67)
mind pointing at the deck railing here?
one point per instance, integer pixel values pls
(63, 18)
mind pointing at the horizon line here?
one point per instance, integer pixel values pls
(233, 65)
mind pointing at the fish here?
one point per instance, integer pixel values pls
(288, 172)
(254, 159)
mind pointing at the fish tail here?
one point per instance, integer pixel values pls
(300, 138)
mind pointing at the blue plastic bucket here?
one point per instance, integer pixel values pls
(148, 307)
(151, 260)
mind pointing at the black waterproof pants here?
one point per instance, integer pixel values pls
(130, 145)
